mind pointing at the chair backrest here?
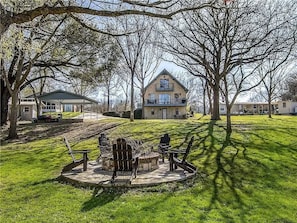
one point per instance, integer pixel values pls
(188, 149)
(122, 155)
(165, 140)
(69, 149)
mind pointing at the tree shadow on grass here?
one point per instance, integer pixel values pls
(102, 196)
(230, 165)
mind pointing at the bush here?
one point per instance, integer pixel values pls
(126, 114)
(111, 113)
(137, 114)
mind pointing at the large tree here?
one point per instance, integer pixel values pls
(290, 91)
(15, 68)
(19, 12)
(223, 44)
(63, 49)
(132, 48)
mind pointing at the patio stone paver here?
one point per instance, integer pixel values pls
(95, 176)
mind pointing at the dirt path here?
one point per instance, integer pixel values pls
(75, 131)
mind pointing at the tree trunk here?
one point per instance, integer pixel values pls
(204, 100)
(108, 100)
(215, 115)
(12, 134)
(142, 107)
(269, 107)
(132, 99)
(4, 103)
(208, 90)
(228, 116)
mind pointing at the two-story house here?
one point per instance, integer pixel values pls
(165, 98)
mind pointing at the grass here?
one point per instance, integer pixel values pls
(251, 179)
(65, 115)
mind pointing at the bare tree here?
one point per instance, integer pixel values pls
(290, 89)
(149, 60)
(124, 84)
(131, 47)
(227, 41)
(273, 74)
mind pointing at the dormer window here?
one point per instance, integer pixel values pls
(164, 83)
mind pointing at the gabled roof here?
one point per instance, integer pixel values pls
(165, 72)
(65, 97)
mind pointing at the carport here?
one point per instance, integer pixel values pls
(61, 98)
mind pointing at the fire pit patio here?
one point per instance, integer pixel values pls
(151, 170)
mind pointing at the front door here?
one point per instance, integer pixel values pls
(164, 113)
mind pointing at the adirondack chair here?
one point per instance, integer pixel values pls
(175, 162)
(76, 162)
(164, 145)
(123, 159)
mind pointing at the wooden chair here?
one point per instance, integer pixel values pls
(76, 162)
(123, 159)
(164, 145)
(175, 162)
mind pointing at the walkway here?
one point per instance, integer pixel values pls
(90, 115)
(95, 176)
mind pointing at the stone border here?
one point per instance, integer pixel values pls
(92, 178)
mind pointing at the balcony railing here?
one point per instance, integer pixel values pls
(169, 87)
(173, 102)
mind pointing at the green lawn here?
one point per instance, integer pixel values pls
(65, 115)
(252, 179)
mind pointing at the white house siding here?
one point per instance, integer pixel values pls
(287, 107)
(248, 108)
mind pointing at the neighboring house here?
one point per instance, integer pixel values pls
(249, 108)
(56, 101)
(287, 107)
(63, 101)
(165, 98)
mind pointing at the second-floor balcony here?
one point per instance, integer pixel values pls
(173, 102)
(165, 87)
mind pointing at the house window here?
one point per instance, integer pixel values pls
(164, 99)
(26, 109)
(164, 83)
(284, 104)
(153, 112)
(176, 112)
(68, 108)
(222, 109)
(152, 99)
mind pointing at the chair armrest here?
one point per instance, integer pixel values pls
(137, 155)
(81, 151)
(177, 151)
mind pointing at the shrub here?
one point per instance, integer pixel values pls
(137, 114)
(111, 113)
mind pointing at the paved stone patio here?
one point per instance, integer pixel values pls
(95, 176)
